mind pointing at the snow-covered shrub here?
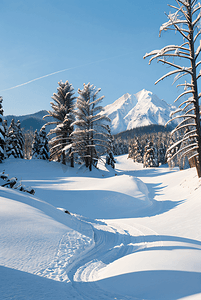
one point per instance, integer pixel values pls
(14, 184)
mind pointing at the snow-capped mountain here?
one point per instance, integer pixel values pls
(141, 109)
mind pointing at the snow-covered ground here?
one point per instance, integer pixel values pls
(133, 233)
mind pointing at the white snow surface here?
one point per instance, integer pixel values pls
(141, 109)
(133, 233)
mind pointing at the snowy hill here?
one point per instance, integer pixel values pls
(141, 109)
(133, 233)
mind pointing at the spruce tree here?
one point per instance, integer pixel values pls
(43, 145)
(137, 154)
(15, 141)
(161, 154)
(35, 145)
(90, 138)
(2, 132)
(20, 139)
(63, 116)
(150, 158)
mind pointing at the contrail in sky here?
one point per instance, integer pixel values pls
(19, 85)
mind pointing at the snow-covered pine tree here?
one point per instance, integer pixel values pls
(150, 158)
(28, 143)
(14, 141)
(186, 21)
(120, 147)
(110, 152)
(43, 145)
(2, 132)
(90, 137)
(62, 113)
(137, 151)
(35, 145)
(20, 139)
(161, 154)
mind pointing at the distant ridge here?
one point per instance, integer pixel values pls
(127, 112)
(31, 121)
(137, 110)
(138, 131)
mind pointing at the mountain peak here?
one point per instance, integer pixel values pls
(143, 95)
(136, 110)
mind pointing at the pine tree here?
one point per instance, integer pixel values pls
(110, 151)
(136, 151)
(43, 145)
(20, 139)
(120, 147)
(28, 143)
(15, 141)
(35, 145)
(186, 21)
(90, 138)
(62, 113)
(161, 154)
(150, 158)
(2, 132)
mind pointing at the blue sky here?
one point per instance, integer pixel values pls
(98, 41)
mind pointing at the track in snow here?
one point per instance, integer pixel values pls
(111, 243)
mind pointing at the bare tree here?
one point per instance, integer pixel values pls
(186, 21)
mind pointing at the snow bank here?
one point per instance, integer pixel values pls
(98, 194)
(32, 231)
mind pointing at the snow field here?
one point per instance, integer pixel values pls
(133, 233)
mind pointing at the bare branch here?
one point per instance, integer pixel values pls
(178, 76)
(198, 75)
(198, 51)
(197, 19)
(183, 149)
(196, 9)
(190, 132)
(198, 64)
(186, 107)
(169, 74)
(190, 100)
(185, 85)
(194, 155)
(183, 126)
(182, 2)
(196, 36)
(173, 6)
(184, 93)
(189, 150)
(179, 142)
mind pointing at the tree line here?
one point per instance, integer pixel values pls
(150, 149)
(81, 131)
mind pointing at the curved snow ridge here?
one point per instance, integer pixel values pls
(111, 243)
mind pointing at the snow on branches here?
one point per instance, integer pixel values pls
(186, 21)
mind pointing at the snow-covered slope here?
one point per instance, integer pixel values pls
(141, 109)
(146, 243)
